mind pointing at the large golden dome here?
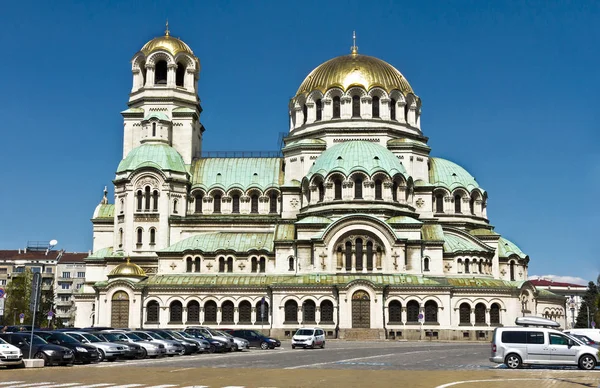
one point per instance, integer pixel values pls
(351, 70)
(127, 269)
(167, 43)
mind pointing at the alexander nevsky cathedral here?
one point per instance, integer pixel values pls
(355, 226)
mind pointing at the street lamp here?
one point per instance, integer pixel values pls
(572, 306)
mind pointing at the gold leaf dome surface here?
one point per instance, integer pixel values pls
(351, 70)
(127, 269)
(167, 43)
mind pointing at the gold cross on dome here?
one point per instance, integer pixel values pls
(354, 48)
(167, 32)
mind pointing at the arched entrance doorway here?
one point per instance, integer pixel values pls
(120, 310)
(361, 310)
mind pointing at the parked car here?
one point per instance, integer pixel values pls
(82, 353)
(40, 349)
(10, 355)
(106, 350)
(593, 334)
(153, 349)
(309, 337)
(238, 343)
(203, 345)
(207, 332)
(586, 340)
(190, 347)
(215, 345)
(132, 350)
(172, 347)
(19, 328)
(256, 339)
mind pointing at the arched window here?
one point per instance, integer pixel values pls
(193, 312)
(395, 192)
(358, 186)
(319, 106)
(512, 270)
(336, 107)
(431, 312)
(467, 266)
(439, 203)
(392, 109)
(359, 254)
(337, 186)
(375, 107)
(175, 211)
(155, 200)
(291, 312)
(120, 237)
(198, 203)
(495, 314)
(480, 314)
(254, 265)
(321, 189)
(348, 256)
(412, 311)
(227, 312)
(326, 312)
(480, 268)
(140, 200)
(175, 312)
(464, 312)
(230, 264)
(180, 74)
(147, 198)
(304, 113)
(222, 264)
(153, 129)
(217, 203)
(235, 203)
(472, 205)
(308, 311)
(197, 264)
(262, 265)
(355, 106)
(459, 266)
(378, 189)
(290, 263)
(210, 312)
(254, 203)
(457, 200)
(273, 203)
(160, 73)
(152, 312)
(395, 312)
(245, 312)
(262, 312)
(140, 235)
(369, 256)
(188, 264)
(426, 264)
(152, 236)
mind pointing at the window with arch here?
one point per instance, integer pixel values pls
(457, 200)
(355, 106)
(439, 203)
(512, 270)
(254, 265)
(459, 266)
(395, 191)
(337, 189)
(348, 256)
(464, 312)
(392, 109)
(291, 312)
(152, 236)
(197, 264)
(140, 200)
(152, 312)
(198, 203)
(188, 264)
(412, 312)
(254, 204)
(326, 311)
(378, 189)
(120, 237)
(193, 312)
(480, 314)
(235, 203)
(175, 203)
(155, 200)
(304, 114)
(140, 236)
(262, 265)
(358, 246)
(217, 203)
(147, 198)
(395, 312)
(369, 255)
(180, 74)
(319, 107)
(263, 318)
(467, 266)
(472, 206)
(227, 312)
(480, 266)
(221, 264)
(321, 188)
(336, 107)
(230, 264)
(426, 264)
(273, 203)
(358, 188)
(210, 312)
(153, 129)
(375, 107)
(309, 312)
(290, 263)
(160, 73)
(175, 312)
(245, 312)
(431, 312)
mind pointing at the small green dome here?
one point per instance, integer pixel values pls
(353, 156)
(450, 175)
(160, 156)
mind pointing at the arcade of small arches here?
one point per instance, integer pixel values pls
(474, 266)
(555, 314)
(258, 264)
(459, 201)
(236, 201)
(356, 103)
(161, 69)
(359, 254)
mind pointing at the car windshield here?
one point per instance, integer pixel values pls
(305, 332)
(91, 337)
(2, 341)
(213, 332)
(64, 338)
(144, 336)
(37, 340)
(132, 336)
(176, 335)
(184, 334)
(114, 337)
(224, 334)
(155, 335)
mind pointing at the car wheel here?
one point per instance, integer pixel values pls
(101, 355)
(323, 345)
(212, 349)
(264, 345)
(293, 346)
(41, 356)
(143, 354)
(513, 361)
(587, 362)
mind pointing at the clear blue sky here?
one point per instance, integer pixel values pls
(509, 90)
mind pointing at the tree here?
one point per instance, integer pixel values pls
(18, 292)
(588, 305)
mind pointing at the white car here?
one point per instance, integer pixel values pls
(10, 355)
(309, 337)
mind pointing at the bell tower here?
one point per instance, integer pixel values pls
(163, 104)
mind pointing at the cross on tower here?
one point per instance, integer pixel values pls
(173, 266)
(323, 255)
(395, 256)
(241, 265)
(448, 266)
(354, 48)
(209, 265)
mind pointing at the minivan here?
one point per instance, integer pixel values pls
(309, 337)
(515, 346)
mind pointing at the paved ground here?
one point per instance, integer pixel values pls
(340, 364)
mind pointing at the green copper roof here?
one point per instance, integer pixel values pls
(242, 173)
(102, 253)
(483, 232)
(157, 115)
(183, 109)
(105, 210)
(432, 232)
(481, 283)
(306, 143)
(405, 142)
(422, 183)
(285, 232)
(315, 220)
(160, 156)
(507, 248)
(353, 156)
(450, 175)
(455, 243)
(403, 220)
(543, 293)
(218, 241)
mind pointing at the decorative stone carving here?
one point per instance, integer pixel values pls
(294, 203)
(420, 203)
(147, 181)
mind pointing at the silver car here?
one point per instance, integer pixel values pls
(172, 347)
(152, 349)
(207, 332)
(109, 351)
(239, 343)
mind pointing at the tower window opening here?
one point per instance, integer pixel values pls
(143, 71)
(262, 265)
(378, 189)
(120, 237)
(512, 270)
(140, 234)
(393, 109)
(254, 265)
(230, 264)
(359, 254)
(273, 203)
(217, 203)
(348, 256)
(140, 200)
(155, 201)
(426, 264)
(235, 204)
(336, 107)
(222, 264)
(198, 204)
(197, 264)
(254, 204)
(439, 203)
(395, 192)
(321, 189)
(337, 189)
(457, 204)
(290, 263)
(467, 266)
(319, 106)
(358, 183)
(180, 74)
(369, 256)
(375, 107)
(147, 198)
(188, 265)
(153, 129)
(355, 106)
(175, 203)
(152, 236)
(304, 113)
(160, 73)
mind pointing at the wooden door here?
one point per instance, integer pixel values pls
(361, 310)
(120, 310)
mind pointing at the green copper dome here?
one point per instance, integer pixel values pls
(353, 156)
(160, 156)
(450, 175)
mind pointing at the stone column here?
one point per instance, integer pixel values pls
(219, 315)
(300, 314)
(311, 112)
(318, 314)
(366, 108)
(403, 315)
(384, 108)
(201, 317)
(346, 107)
(353, 261)
(188, 81)
(253, 315)
(171, 72)
(327, 109)
(472, 317)
(184, 314)
(400, 112)
(236, 315)
(149, 75)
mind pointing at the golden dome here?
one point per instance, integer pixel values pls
(166, 43)
(351, 70)
(128, 269)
